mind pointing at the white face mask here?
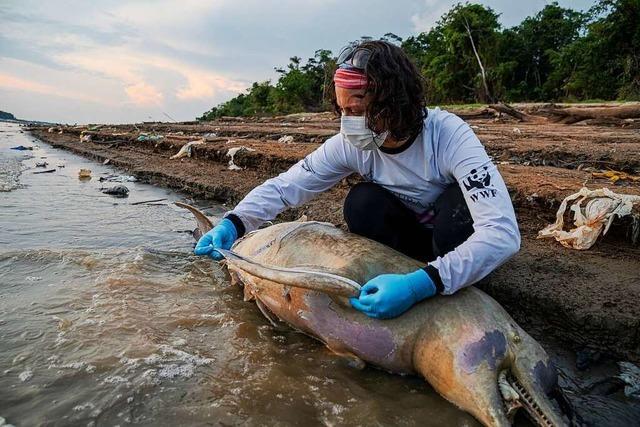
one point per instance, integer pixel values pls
(355, 130)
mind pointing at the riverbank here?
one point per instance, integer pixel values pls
(586, 299)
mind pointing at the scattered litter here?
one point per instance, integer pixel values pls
(116, 191)
(84, 174)
(47, 171)
(517, 131)
(232, 152)
(630, 374)
(147, 201)
(185, 151)
(22, 148)
(209, 135)
(26, 375)
(42, 164)
(146, 137)
(106, 162)
(615, 176)
(287, 139)
(118, 178)
(54, 129)
(474, 127)
(592, 219)
(60, 165)
(85, 138)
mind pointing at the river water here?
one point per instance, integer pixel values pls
(106, 318)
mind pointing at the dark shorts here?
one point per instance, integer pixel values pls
(376, 213)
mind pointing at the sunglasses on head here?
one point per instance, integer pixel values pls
(354, 56)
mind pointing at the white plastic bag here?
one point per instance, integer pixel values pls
(595, 217)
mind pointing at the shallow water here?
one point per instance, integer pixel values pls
(106, 318)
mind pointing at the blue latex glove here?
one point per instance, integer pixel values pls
(389, 295)
(221, 236)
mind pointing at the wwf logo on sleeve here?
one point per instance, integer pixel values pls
(478, 184)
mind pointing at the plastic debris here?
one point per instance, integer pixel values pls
(615, 176)
(84, 174)
(47, 171)
(85, 138)
(232, 152)
(118, 178)
(146, 137)
(630, 374)
(286, 139)
(517, 131)
(42, 164)
(22, 148)
(116, 191)
(590, 220)
(209, 135)
(185, 151)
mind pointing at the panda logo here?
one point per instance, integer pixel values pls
(478, 179)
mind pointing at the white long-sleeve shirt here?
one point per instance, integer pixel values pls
(446, 151)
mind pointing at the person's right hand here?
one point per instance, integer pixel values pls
(221, 236)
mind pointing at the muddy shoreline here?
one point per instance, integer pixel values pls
(584, 299)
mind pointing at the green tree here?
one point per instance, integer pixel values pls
(528, 50)
(605, 63)
(454, 53)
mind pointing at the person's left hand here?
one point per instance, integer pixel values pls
(389, 295)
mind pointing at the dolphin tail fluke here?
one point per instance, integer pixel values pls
(204, 224)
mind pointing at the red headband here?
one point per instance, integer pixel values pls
(350, 79)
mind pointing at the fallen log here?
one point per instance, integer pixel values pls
(519, 115)
(484, 113)
(572, 115)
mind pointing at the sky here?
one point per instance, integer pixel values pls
(124, 61)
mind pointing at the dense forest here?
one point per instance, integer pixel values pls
(558, 54)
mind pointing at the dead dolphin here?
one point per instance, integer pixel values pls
(465, 345)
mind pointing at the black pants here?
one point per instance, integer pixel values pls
(374, 212)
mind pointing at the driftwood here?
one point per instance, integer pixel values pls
(506, 109)
(484, 113)
(576, 114)
(598, 115)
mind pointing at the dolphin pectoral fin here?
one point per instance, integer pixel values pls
(351, 359)
(204, 224)
(275, 322)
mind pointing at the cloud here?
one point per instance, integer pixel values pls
(426, 19)
(144, 94)
(135, 70)
(8, 81)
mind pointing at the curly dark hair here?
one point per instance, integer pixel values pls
(396, 91)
